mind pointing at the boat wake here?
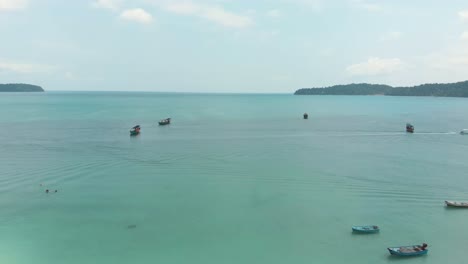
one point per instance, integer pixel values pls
(365, 134)
(437, 133)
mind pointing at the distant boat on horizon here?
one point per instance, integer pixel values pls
(409, 128)
(135, 130)
(164, 122)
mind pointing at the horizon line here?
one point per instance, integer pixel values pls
(167, 92)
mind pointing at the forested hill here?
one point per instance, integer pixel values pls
(459, 89)
(20, 87)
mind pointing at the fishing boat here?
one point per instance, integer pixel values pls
(306, 116)
(407, 251)
(409, 128)
(366, 229)
(457, 204)
(164, 122)
(464, 132)
(135, 130)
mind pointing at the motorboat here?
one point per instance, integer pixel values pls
(409, 128)
(164, 122)
(457, 204)
(135, 130)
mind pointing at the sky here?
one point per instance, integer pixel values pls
(240, 46)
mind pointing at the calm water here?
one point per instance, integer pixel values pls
(234, 179)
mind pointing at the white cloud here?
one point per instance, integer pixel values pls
(137, 15)
(447, 65)
(183, 8)
(463, 15)
(327, 52)
(13, 4)
(6, 66)
(225, 18)
(214, 14)
(266, 35)
(464, 35)
(315, 5)
(389, 36)
(273, 13)
(69, 76)
(375, 66)
(458, 61)
(251, 12)
(449, 58)
(364, 4)
(106, 4)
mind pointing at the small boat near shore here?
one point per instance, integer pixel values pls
(409, 128)
(464, 132)
(456, 204)
(135, 130)
(164, 122)
(408, 251)
(365, 229)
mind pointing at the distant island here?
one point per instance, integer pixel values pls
(459, 89)
(20, 87)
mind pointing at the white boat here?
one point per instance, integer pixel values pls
(456, 204)
(464, 132)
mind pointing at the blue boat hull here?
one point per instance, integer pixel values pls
(365, 229)
(134, 133)
(397, 252)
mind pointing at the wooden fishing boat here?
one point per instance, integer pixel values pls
(409, 128)
(164, 122)
(135, 130)
(457, 204)
(366, 229)
(407, 251)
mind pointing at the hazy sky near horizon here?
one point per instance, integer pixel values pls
(231, 45)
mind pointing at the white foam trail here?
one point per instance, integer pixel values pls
(437, 133)
(356, 134)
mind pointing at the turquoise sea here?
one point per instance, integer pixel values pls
(234, 179)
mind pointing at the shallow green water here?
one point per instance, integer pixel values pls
(234, 179)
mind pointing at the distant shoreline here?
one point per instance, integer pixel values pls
(459, 89)
(20, 87)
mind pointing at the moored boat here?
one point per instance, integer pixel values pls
(407, 251)
(457, 204)
(409, 128)
(164, 122)
(366, 229)
(464, 132)
(135, 130)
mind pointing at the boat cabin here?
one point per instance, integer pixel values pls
(409, 128)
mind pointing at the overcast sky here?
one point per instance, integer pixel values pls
(231, 45)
